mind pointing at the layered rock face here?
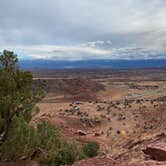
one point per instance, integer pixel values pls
(157, 150)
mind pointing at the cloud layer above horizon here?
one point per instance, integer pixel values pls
(76, 30)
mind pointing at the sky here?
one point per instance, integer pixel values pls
(84, 29)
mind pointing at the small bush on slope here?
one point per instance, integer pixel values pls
(69, 152)
(55, 151)
(91, 149)
(21, 142)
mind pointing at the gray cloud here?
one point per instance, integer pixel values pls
(89, 50)
(81, 29)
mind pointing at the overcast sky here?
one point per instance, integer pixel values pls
(84, 29)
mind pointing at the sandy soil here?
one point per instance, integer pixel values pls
(123, 111)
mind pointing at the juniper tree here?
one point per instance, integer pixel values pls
(16, 95)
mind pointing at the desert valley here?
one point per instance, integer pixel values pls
(83, 83)
(123, 110)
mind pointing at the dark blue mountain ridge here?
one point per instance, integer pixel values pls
(88, 64)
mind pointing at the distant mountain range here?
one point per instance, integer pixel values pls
(86, 64)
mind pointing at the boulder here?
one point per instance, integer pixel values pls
(82, 133)
(157, 150)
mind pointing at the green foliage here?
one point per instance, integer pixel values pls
(8, 59)
(54, 150)
(68, 153)
(91, 149)
(24, 142)
(16, 94)
(49, 137)
(21, 142)
(17, 106)
(49, 143)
